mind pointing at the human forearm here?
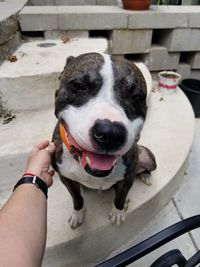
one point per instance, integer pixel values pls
(23, 227)
(23, 219)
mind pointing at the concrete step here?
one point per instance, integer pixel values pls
(180, 207)
(17, 139)
(165, 132)
(31, 81)
(71, 2)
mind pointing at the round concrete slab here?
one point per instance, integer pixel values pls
(169, 136)
(168, 132)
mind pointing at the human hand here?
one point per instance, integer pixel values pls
(39, 162)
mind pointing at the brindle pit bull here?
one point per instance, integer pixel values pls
(101, 108)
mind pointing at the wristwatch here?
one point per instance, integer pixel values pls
(35, 180)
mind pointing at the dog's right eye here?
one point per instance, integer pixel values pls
(80, 87)
(75, 87)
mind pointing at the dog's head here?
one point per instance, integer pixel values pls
(101, 102)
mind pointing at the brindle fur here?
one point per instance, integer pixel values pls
(122, 187)
(72, 186)
(131, 158)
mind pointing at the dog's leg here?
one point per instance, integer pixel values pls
(117, 214)
(146, 164)
(78, 214)
(145, 177)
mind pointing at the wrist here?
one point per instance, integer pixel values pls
(30, 178)
(30, 174)
(34, 173)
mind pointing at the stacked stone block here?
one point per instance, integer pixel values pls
(41, 3)
(191, 67)
(163, 17)
(130, 41)
(186, 39)
(176, 28)
(91, 18)
(71, 2)
(185, 70)
(45, 18)
(195, 74)
(158, 58)
(9, 29)
(194, 60)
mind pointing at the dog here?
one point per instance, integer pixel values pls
(101, 108)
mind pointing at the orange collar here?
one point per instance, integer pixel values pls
(64, 136)
(77, 154)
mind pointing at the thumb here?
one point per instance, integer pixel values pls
(52, 147)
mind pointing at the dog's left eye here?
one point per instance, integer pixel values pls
(135, 92)
(139, 97)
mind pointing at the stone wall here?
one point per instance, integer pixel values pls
(164, 40)
(163, 37)
(72, 2)
(10, 36)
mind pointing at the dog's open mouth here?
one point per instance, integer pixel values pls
(99, 165)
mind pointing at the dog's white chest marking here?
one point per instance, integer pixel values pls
(71, 169)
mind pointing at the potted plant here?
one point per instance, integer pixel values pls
(136, 4)
(168, 81)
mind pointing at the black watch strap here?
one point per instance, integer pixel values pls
(33, 180)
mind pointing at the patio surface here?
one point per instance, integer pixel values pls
(184, 204)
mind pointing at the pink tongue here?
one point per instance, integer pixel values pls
(98, 161)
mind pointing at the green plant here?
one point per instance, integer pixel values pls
(163, 2)
(168, 2)
(5, 114)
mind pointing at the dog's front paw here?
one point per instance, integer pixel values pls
(117, 216)
(77, 218)
(126, 204)
(146, 178)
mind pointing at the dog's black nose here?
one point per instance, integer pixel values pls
(108, 135)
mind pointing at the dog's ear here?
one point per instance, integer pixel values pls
(56, 93)
(68, 60)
